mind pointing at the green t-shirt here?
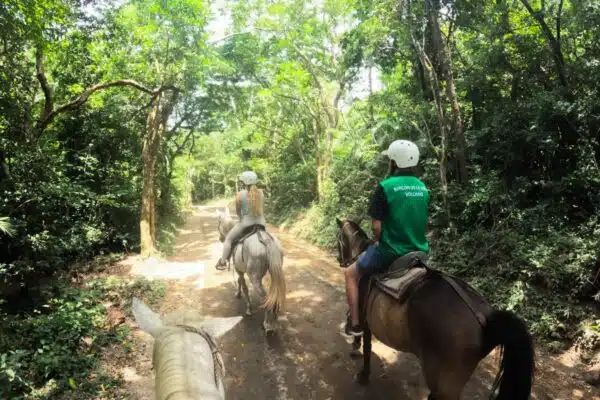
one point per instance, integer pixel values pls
(404, 216)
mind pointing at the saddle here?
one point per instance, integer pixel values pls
(401, 277)
(259, 230)
(406, 274)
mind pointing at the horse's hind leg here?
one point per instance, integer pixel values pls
(446, 381)
(270, 316)
(238, 291)
(244, 288)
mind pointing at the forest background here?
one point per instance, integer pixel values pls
(116, 116)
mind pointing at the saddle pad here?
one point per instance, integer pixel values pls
(397, 283)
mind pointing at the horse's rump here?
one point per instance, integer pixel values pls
(262, 236)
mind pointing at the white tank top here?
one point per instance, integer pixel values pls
(247, 217)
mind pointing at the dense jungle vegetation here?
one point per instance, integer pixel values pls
(117, 115)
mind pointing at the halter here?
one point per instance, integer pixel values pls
(345, 264)
(219, 366)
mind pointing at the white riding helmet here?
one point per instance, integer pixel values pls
(249, 178)
(404, 152)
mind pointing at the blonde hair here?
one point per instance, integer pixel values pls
(255, 200)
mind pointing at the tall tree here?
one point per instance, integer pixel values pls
(164, 43)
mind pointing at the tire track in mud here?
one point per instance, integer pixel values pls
(307, 358)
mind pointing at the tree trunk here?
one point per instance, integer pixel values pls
(149, 153)
(458, 127)
(444, 58)
(318, 161)
(553, 44)
(160, 110)
(436, 91)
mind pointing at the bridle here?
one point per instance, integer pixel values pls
(219, 366)
(346, 263)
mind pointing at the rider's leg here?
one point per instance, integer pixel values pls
(352, 277)
(233, 234)
(366, 263)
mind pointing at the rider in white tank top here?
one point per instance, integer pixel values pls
(246, 217)
(244, 210)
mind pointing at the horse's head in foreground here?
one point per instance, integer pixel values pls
(186, 361)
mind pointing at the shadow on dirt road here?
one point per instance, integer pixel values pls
(307, 358)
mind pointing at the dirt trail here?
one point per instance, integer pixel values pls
(307, 358)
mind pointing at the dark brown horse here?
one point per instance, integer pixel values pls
(448, 334)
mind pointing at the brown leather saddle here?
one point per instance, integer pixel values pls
(406, 275)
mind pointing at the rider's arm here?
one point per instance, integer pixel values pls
(378, 210)
(238, 207)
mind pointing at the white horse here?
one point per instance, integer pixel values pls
(186, 361)
(257, 254)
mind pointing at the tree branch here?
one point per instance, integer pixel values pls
(41, 76)
(558, 17)
(82, 98)
(179, 148)
(553, 43)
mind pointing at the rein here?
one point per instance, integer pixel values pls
(219, 366)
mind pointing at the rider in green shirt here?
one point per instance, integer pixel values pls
(400, 212)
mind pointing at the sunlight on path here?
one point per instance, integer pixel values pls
(196, 250)
(159, 269)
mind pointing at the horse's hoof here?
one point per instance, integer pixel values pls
(362, 379)
(238, 295)
(248, 313)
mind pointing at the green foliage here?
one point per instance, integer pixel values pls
(56, 348)
(292, 93)
(524, 229)
(74, 190)
(6, 227)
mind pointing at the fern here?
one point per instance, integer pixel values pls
(6, 226)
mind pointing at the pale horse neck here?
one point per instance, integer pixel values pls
(189, 366)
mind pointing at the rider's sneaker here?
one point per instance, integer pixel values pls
(221, 264)
(352, 330)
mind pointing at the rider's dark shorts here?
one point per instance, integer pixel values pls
(370, 261)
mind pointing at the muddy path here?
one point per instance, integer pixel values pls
(307, 358)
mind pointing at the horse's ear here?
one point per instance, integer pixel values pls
(216, 327)
(147, 320)
(340, 224)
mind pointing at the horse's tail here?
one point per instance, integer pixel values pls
(276, 297)
(517, 366)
